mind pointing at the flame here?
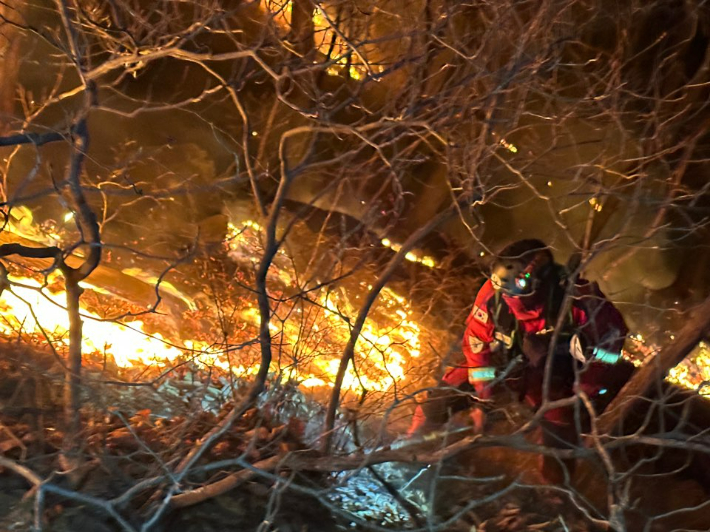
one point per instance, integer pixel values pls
(311, 335)
(596, 204)
(317, 333)
(165, 286)
(512, 148)
(411, 256)
(694, 372)
(30, 308)
(327, 41)
(20, 221)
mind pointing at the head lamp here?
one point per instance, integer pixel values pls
(521, 283)
(521, 268)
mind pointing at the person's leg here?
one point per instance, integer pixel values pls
(557, 428)
(443, 402)
(419, 422)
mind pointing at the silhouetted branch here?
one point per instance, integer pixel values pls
(38, 139)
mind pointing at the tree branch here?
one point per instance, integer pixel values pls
(372, 296)
(656, 369)
(38, 139)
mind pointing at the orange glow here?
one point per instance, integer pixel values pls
(127, 344)
(311, 336)
(694, 371)
(308, 336)
(382, 350)
(411, 256)
(327, 41)
(389, 341)
(21, 222)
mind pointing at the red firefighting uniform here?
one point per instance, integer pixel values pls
(527, 331)
(593, 317)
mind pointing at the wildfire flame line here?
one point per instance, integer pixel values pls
(310, 335)
(314, 344)
(319, 333)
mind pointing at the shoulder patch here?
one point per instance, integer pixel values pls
(480, 314)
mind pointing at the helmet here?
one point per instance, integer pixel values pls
(520, 267)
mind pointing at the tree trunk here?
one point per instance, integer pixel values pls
(72, 390)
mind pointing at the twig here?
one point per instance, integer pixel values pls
(222, 486)
(38, 139)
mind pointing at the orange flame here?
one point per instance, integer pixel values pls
(311, 336)
(319, 333)
(315, 343)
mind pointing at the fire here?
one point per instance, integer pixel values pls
(29, 308)
(694, 372)
(20, 221)
(310, 335)
(315, 334)
(327, 41)
(411, 256)
(165, 286)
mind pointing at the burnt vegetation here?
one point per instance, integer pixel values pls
(240, 238)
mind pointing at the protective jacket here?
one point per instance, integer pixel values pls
(524, 326)
(505, 332)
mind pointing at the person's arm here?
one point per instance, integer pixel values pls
(477, 343)
(601, 327)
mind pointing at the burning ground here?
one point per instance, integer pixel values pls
(205, 312)
(159, 376)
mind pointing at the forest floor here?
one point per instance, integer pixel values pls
(131, 433)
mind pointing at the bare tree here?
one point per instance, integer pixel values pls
(287, 207)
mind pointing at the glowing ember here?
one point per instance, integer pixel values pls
(694, 371)
(512, 148)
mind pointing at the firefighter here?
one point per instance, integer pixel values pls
(513, 321)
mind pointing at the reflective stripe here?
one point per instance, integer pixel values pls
(486, 373)
(606, 356)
